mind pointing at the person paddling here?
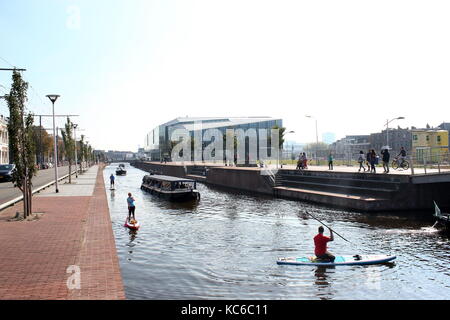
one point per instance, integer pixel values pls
(131, 207)
(320, 242)
(111, 179)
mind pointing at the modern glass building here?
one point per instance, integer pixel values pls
(158, 142)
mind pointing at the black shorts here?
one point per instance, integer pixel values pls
(326, 257)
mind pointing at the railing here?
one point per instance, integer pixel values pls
(431, 163)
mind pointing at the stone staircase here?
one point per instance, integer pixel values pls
(366, 191)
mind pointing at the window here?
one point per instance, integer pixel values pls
(439, 139)
(415, 137)
(428, 138)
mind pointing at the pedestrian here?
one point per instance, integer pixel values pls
(368, 157)
(131, 207)
(111, 179)
(305, 161)
(330, 161)
(361, 161)
(386, 158)
(373, 160)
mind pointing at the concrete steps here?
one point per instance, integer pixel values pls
(363, 203)
(367, 192)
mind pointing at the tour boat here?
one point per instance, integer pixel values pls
(171, 188)
(120, 171)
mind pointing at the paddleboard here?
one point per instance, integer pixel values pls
(132, 226)
(345, 260)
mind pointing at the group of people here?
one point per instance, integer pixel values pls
(372, 159)
(302, 162)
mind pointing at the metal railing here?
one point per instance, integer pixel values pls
(431, 163)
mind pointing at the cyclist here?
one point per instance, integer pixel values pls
(401, 157)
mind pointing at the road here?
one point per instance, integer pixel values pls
(8, 192)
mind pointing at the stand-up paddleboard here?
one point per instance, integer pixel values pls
(339, 261)
(133, 226)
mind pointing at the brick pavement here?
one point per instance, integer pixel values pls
(74, 230)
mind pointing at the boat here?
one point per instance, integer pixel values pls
(443, 219)
(120, 171)
(344, 260)
(133, 224)
(171, 188)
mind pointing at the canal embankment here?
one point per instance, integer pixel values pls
(69, 252)
(349, 190)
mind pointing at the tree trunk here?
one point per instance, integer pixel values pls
(30, 199)
(25, 199)
(70, 171)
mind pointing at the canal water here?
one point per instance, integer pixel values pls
(226, 246)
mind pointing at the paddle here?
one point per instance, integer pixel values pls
(327, 226)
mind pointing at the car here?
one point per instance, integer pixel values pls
(6, 171)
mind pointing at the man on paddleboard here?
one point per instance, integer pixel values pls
(320, 241)
(131, 207)
(111, 178)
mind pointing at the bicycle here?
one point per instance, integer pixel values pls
(404, 165)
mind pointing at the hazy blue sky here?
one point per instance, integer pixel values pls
(127, 66)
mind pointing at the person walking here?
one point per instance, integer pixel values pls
(386, 158)
(361, 161)
(131, 207)
(330, 161)
(368, 157)
(373, 160)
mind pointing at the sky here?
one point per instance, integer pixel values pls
(124, 67)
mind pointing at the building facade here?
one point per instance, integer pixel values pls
(348, 148)
(4, 141)
(397, 138)
(429, 145)
(158, 143)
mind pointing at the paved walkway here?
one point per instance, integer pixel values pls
(40, 259)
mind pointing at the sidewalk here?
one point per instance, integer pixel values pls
(74, 230)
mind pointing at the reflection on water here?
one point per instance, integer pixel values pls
(226, 245)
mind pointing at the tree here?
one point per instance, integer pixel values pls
(282, 132)
(69, 145)
(43, 142)
(21, 142)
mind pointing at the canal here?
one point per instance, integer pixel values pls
(226, 246)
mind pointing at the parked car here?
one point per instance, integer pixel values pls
(6, 171)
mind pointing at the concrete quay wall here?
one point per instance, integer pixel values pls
(409, 192)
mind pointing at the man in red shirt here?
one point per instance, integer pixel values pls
(320, 242)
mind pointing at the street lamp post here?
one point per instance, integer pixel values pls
(317, 139)
(53, 98)
(387, 129)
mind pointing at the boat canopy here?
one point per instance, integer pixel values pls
(167, 178)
